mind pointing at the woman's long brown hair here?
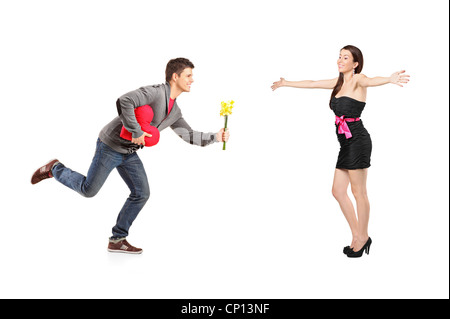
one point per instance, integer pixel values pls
(357, 57)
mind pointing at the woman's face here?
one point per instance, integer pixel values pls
(345, 62)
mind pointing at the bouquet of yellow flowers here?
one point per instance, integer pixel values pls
(225, 111)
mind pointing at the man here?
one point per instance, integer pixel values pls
(113, 151)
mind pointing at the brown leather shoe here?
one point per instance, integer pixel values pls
(43, 172)
(122, 246)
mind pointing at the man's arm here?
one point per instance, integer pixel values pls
(183, 130)
(128, 102)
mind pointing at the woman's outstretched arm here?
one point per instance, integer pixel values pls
(396, 78)
(322, 84)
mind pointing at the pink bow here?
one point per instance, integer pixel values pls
(343, 127)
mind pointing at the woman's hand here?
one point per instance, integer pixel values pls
(399, 77)
(278, 84)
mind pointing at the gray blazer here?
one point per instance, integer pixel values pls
(157, 96)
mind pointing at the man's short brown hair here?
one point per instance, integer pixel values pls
(177, 66)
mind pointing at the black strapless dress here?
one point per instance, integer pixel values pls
(355, 151)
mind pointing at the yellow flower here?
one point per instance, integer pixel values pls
(226, 108)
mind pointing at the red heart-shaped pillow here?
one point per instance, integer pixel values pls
(144, 116)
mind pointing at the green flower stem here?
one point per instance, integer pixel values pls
(226, 121)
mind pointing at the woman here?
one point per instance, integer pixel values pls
(347, 102)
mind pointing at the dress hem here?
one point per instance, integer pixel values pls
(352, 168)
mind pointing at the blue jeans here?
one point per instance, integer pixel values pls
(131, 170)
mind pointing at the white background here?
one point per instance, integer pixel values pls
(257, 220)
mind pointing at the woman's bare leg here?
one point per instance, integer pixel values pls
(358, 181)
(340, 186)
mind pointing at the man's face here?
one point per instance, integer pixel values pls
(184, 80)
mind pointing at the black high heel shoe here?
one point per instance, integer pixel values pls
(347, 249)
(357, 254)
